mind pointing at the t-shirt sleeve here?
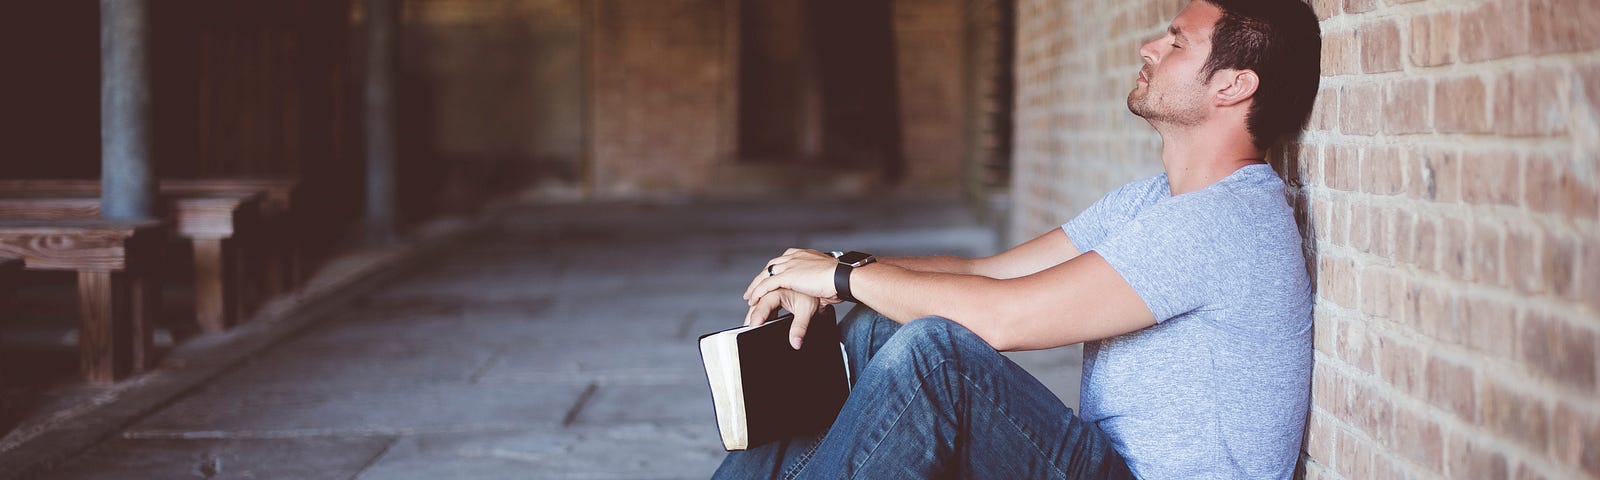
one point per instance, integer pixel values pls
(1108, 214)
(1166, 255)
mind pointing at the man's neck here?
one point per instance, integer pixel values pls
(1195, 158)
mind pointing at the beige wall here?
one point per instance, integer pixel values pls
(1447, 192)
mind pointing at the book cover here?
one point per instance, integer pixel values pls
(764, 390)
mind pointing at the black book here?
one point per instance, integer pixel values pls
(763, 390)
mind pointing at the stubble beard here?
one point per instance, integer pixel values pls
(1157, 107)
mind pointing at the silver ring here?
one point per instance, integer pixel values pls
(770, 272)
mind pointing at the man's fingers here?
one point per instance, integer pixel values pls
(763, 287)
(752, 287)
(803, 310)
(762, 309)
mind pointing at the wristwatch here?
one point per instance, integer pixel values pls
(848, 261)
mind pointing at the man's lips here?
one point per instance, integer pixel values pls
(1143, 78)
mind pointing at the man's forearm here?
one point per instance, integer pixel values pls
(937, 264)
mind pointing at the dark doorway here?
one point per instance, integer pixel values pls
(817, 84)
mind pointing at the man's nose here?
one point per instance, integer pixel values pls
(1147, 52)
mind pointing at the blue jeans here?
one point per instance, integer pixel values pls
(931, 399)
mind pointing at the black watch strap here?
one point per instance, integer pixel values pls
(841, 282)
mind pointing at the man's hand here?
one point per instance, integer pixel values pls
(808, 272)
(802, 306)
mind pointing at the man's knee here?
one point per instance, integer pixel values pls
(933, 338)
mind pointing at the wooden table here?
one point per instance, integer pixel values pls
(9, 266)
(283, 270)
(118, 293)
(223, 291)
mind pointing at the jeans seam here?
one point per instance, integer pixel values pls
(897, 417)
(805, 459)
(923, 381)
(1032, 440)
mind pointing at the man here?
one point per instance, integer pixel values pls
(1188, 289)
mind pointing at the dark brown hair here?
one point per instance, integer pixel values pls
(1281, 41)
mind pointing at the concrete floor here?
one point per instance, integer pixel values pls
(554, 342)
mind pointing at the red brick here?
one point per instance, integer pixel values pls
(1560, 255)
(1564, 25)
(1418, 439)
(1491, 178)
(1455, 245)
(1491, 326)
(1341, 167)
(1434, 39)
(1496, 29)
(1361, 227)
(1340, 53)
(1326, 9)
(1325, 112)
(1450, 387)
(1320, 436)
(1406, 106)
(1487, 254)
(1380, 47)
(1355, 456)
(1354, 345)
(1433, 312)
(1553, 187)
(1573, 439)
(1531, 103)
(1425, 244)
(1559, 349)
(1589, 278)
(1460, 105)
(1376, 289)
(1359, 6)
(1382, 170)
(1514, 414)
(1369, 117)
(1381, 233)
(1405, 245)
(1336, 281)
(1375, 416)
(1400, 364)
(1309, 164)
(1523, 262)
(1324, 225)
(1468, 459)
(1440, 173)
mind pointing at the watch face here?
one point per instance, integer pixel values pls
(854, 258)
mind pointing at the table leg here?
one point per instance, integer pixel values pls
(105, 327)
(211, 308)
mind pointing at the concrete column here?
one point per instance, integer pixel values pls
(382, 24)
(127, 178)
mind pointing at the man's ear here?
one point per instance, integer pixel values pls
(1240, 85)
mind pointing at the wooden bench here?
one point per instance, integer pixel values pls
(223, 285)
(283, 270)
(118, 293)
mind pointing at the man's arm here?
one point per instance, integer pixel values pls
(1079, 300)
(1047, 250)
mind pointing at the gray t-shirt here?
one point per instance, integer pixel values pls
(1218, 388)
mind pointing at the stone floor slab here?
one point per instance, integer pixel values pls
(336, 410)
(294, 458)
(636, 451)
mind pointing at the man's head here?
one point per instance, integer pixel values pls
(1263, 55)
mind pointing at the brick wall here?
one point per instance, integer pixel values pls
(661, 73)
(1447, 191)
(929, 42)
